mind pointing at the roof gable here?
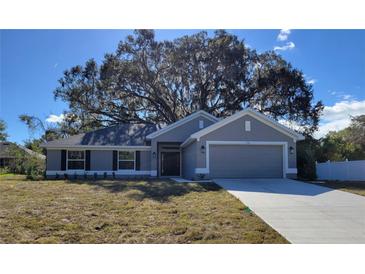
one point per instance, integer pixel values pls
(200, 113)
(259, 116)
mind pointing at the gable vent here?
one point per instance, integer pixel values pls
(247, 125)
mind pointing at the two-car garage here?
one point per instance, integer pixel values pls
(245, 161)
(247, 144)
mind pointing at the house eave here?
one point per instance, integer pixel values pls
(97, 147)
(261, 117)
(187, 142)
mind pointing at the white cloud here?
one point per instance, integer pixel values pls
(283, 35)
(342, 95)
(287, 46)
(312, 81)
(337, 117)
(347, 97)
(55, 119)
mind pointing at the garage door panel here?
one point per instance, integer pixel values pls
(246, 161)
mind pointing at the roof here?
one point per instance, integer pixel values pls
(5, 153)
(119, 135)
(248, 111)
(4, 149)
(183, 121)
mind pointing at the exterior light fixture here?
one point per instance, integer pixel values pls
(154, 154)
(202, 149)
(291, 150)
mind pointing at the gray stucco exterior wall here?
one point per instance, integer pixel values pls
(189, 161)
(178, 134)
(145, 160)
(53, 159)
(235, 131)
(101, 160)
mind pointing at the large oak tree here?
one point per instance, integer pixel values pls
(151, 81)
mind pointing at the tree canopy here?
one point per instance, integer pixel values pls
(3, 134)
(348, 143)
(48, 132)
(151, 81)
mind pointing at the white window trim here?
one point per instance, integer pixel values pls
(67, 160)
(201, 124)
(134, 161)
(208, 143)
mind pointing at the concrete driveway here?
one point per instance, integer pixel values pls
(301, 212)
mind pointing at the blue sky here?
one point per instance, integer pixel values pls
(31, 62)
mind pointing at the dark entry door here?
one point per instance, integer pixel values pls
(170, 163)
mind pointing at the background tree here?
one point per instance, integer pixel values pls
(3, 134)
(47, 131)
(348, 143)
(335, 146)
(150, 81)
(357, 131)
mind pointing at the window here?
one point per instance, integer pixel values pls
(201, 124)
(126, 160)
(76, 159)
(248, 125)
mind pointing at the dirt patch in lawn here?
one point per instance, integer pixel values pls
(156, 211)
(356, 187)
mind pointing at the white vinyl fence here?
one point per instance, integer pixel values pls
(346, 170)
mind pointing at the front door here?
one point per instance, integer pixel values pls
(170, 163)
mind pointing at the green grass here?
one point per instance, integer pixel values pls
(11, 176)
(156, 211)
(349, 186)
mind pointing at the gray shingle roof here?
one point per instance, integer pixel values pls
(119, 135)
(6, 147)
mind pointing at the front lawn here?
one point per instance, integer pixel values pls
(156, 211)
(349, 186)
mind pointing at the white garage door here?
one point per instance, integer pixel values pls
(246, 161)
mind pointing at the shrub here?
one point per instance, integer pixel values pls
(24, 163)
(306, 159)
(4, 170)
(34, 167)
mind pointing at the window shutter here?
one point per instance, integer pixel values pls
(63, 159)
(115, 160)
(87, 160)
(46, 152)
(138, 160)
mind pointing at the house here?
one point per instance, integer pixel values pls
(247, 144)
(7, 156)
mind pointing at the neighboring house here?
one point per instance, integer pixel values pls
(6, 156)
(247, 144)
